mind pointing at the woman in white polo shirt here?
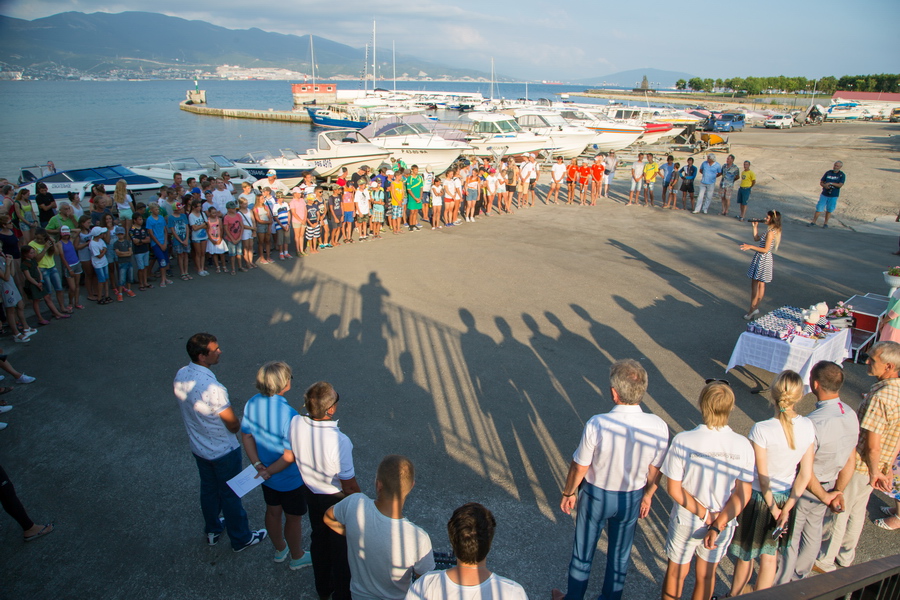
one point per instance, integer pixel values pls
(780, 444)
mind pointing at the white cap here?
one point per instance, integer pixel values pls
(98, 231)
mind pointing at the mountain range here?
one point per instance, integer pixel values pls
(630, 79)
(142, 41)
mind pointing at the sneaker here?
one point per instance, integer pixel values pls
(280, 557)
(130, 294)
(213, 538)
(303, 561)
(810, 224)
(119, 296)
(203, 273)
(281, 256)
(825, 226)
(287, 255)
(24, 379)
(8, 408)
(255, 538)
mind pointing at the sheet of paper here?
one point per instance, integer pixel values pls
(245, 481)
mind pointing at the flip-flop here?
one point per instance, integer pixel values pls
(5, 390)
(44, 531)
(62, 316)
(881, 523)
(43, 322)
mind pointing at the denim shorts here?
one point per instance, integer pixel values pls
(160, 254)
(141, 260)
(52, 280)
(179, 248)
(124, 272)
(826, 203)
(234, 249)
(102, 273)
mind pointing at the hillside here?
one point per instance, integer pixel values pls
(100, 42)
(666, 79)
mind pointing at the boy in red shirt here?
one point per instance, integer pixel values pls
(597, 170)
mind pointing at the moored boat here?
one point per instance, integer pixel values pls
(80, 181)
(290, 167)
(412, 141)
(341, 148)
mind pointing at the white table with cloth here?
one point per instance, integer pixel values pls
(800, 354)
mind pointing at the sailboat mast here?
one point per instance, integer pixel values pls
(312, 61)
(492, 79)
(374, 72)
(394, 54)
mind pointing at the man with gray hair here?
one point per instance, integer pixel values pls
(831, 183)
(614, 474)
(879, 436)
(730, 174)
(710, 170)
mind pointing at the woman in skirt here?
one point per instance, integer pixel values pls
(780, 444)
(760, 271)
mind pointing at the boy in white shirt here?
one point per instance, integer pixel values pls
(557, 174)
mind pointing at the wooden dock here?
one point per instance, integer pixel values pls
(242, 113)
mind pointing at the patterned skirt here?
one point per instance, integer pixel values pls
(753, 535)
(761, 267)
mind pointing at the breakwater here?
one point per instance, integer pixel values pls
(243, 113)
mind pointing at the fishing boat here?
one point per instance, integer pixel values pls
(494, 134)
(289, 166)
(414, 141)
(566, 140)
(80, 181)
(191, 167)
(341, 148)
(341, 116)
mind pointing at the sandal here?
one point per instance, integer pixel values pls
(5, 390)
(43, 322)
(142, 288)
(184, 277)
(48, 528)
(62, 316)
(883, 524)
(79, 307)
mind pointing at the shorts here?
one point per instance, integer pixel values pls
(609, 176)
(234, 249)
(648, 185)
(378, 214)
(52, 280)
(161, 257)
(25, 226)
(141, 260)
(313, 231)
(76, 269)
(437, 201)
(743, 196)
(826, 203)
(726, 191)
(124, 271)
(683, 541)
(426, 197)
(688, 186)
(471, 195)
(102, 273)
(281, 237)
(510, 188)
(262, 228)
(126, 213)
(292, 502)
(179, 248)
(348, 217)
(247, 234)
(362, 218)
(397, 211)
(636, 185)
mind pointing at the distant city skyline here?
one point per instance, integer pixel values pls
(571, 41)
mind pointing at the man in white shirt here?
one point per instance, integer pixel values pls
(324, 456)
(710, 475)
(616, 470)
(557, 174)
(637, 180)
(212, 427)
(221, 196)
(272, 182)
(384, 549)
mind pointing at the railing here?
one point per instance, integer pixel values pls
(874, 580)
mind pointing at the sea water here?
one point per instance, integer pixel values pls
(95, 123)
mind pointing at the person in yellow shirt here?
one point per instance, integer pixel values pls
(748, 180)
(651, 170)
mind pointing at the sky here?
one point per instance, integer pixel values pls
(535, 39)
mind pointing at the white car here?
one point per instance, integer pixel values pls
(780, 121)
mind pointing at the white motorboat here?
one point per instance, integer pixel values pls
(566, 140)
(412, 141)
(288, 165)
(80, 181)
(191, 167)
(494, 134)
(339, 148)
(611, 136)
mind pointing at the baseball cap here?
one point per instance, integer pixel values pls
(296, 190)
(98, 231)
(230, 204)
(195, 190)
(120, 230)
(64, 229)
(271, 173)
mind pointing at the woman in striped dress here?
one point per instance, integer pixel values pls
(760, 271)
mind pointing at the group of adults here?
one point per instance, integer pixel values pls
(793, 496)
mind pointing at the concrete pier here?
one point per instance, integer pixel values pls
(242, 113)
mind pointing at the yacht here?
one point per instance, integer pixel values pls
(566, 140)
(493, 134)
(341, 148)
(191, 167)
(290, 167)
(413, 140)
(80, 181)
(610, 135)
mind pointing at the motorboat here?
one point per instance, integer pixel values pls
(610, 135)
(566, 140)
(342, 148)
(290, 167)
(848, 111)
(337, 115)
(493, 134)
(414, 141)
(191, 167)
(80, 181)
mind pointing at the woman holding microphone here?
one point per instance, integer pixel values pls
(760, 271)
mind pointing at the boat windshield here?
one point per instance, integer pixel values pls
(575, 114)
(289, 154)
(508, 126)
(58, 178)
(256, 157)
(187, 164)
(221, 161)
(402, 129)
(554, 120)
(86, 175)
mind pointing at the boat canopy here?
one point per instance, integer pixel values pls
(329, 139)
(390, 126)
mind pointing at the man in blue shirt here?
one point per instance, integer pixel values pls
(831, 183)
(710, 170)
(688, 175)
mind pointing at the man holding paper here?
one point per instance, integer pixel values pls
(211, 426)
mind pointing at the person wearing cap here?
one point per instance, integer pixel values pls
(234, 228)
(298, 215)
(557, 174)
(376, 193)
(710, 170)
(122, 248)
(360, 175)
(281, 211)
(178, 227)
(65, 249)
(100, 263)
(324, 456)
(272, 182)
(610, 162)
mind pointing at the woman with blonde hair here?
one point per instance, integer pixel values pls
(124, 205)
(760, 271)
(780, 444)
(264, 428)
(25, 213)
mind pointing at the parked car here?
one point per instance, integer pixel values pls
(728, 122)
(779, 121)
(895, 115)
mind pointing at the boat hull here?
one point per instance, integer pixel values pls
(327, 118)
(482, 148)
(328, 166)
(435, 160)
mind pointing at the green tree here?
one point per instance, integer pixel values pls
(695, 84)
(719, 84)
(681, 84)
(828, 85)
(708, 85)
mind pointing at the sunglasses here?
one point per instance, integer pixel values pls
(725, 381)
